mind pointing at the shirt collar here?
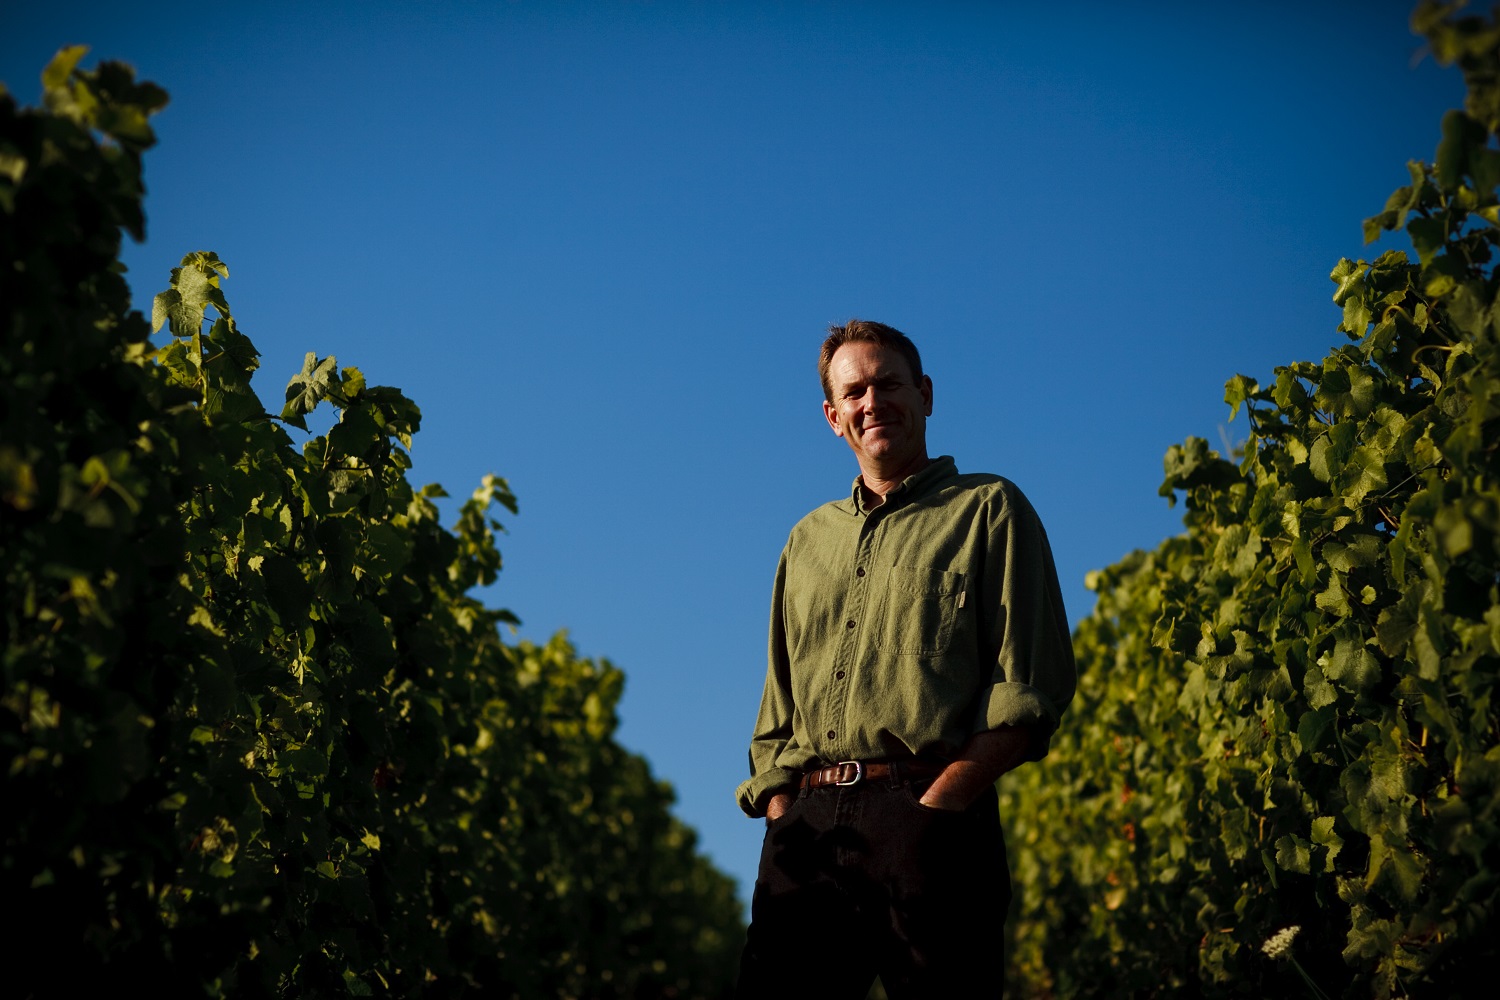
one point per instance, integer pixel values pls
(939, 470)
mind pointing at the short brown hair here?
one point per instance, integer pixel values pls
(870, 332)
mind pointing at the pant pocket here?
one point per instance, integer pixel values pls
(912, 794)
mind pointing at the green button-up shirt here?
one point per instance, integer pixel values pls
(905, 629)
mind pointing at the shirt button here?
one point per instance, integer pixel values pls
(860, 571)
(851, 623)
(831, 734)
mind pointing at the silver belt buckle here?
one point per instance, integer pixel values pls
(859, 772)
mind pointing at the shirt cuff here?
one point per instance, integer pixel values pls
(754, 795)
(1011, 703)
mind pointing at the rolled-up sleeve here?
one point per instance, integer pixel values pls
(773, 736)
(1034, 675)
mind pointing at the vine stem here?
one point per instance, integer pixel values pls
(1312, 986)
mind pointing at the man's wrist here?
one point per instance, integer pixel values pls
(779, 802)
(984, 758)
(770, 794)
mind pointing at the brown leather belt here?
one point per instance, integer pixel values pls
(852, 772)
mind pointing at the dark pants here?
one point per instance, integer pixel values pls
(861, 881)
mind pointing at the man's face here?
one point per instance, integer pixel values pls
(877, 407)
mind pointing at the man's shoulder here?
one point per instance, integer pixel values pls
(1000, 495)
(825, 523)
(980, 487)
(942, 481)
(978, 481)
(834, 511)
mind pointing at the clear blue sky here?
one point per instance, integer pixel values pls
(599, 243)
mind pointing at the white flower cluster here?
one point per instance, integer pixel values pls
(1278, 943)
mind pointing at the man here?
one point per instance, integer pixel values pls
(918, 651)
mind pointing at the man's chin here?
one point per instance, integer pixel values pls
(884, 451)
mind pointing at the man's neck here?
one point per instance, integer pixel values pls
(876, 483)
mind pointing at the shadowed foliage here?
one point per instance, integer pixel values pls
(1287, 714)
(257, 737)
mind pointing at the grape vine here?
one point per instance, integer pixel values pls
(257, 737)
(1287, 715)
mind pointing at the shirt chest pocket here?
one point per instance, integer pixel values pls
(920, 610)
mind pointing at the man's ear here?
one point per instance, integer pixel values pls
(832, 416)
(927, 395)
